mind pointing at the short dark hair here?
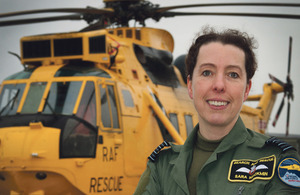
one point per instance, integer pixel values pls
(229, 36)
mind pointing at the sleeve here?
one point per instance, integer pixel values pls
(286, 179)
(149, 183)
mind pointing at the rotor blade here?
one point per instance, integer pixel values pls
(288, 119)
(290, 55)
(277, 80)
(279, 111)
(61, 10)
(163, 9)
(289, 87)
(283, 16)
(37, 20)
(96, 26)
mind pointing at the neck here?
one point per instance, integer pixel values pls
(214, 132)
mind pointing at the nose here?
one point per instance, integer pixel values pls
(219, 84)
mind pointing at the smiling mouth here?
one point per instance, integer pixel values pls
(217, 103)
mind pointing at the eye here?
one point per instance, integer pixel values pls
(206, 73)
(233, 75)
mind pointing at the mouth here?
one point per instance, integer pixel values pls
(217, 103)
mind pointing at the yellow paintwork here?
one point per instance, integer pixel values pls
(252, 117)
(293, 167)
(32, 151)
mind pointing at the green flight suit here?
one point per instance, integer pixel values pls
(224, 172)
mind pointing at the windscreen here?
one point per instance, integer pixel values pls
(10, 97)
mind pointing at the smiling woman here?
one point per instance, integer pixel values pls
(218, 82)
(220, 66)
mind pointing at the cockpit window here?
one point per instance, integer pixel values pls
(109, 111)
(87, 107)
(24, 74)
(113, 106)
(34, 97)
(79, 133)
(10, 98)
(105, 114)
(81, 70)
(62, 97)
(78, 140)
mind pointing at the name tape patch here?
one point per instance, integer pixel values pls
(245, 170)
(289, 171)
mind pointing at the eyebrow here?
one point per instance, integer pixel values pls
(234, 67)
(227, 67)
(207, 64)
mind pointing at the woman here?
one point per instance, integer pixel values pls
(222, 156)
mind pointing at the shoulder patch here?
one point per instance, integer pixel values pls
(289, 171)
(155, 153)
(279, 143)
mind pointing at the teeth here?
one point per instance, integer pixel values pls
(217, 103)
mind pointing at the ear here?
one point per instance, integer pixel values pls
(189, 85)
(248, 87)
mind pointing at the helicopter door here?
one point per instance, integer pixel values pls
(78, 131)
(110, 147)
(133, 153)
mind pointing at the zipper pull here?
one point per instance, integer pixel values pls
(240, 190)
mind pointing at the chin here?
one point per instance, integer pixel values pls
(218, 121)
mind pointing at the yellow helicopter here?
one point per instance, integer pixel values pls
(90, 106)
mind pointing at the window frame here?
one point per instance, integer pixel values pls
(103, 84)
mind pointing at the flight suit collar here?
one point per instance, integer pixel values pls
(235, 137)
(239, 135)
(182, 164)
(258, 143)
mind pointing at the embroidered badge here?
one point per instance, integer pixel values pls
(250, 170)
(289, 171)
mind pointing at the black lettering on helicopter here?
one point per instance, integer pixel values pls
(106, 184)
(109, 153)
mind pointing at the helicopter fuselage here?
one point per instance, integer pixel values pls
(83, 121)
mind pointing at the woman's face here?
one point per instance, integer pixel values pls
(219, 84)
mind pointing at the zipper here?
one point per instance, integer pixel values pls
(240, 190)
